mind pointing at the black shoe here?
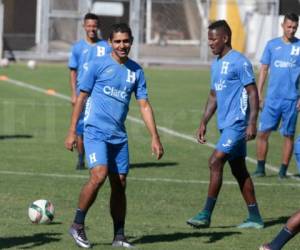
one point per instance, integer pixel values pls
(121, 241)
(80, 166)
(78, 234)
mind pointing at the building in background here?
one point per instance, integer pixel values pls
(165, 31)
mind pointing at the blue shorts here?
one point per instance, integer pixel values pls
(233, 143)
(114, 156)
(275, 110)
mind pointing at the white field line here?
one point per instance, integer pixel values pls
(138, 121)
(162, 180)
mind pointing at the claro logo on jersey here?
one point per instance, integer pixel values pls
(111, 91)
(285, 64)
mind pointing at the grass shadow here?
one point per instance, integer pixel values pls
(18, 136)
(213, 237)
(153, 164)
(30, 241)
(271, 222)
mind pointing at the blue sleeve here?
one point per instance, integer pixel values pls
(245, 72)
(73, 59)
(141, 88)
(266, 56)
(88, 79)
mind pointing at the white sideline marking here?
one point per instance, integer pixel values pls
(139, 121)
(77, 176)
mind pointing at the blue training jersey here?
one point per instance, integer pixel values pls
(110, 85)
(83, 52)
(229, 76)
(284, 64)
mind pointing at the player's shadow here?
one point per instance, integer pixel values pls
(212, 237)
(30, 241)
(153, 164)
(18, 136)
(271, 222)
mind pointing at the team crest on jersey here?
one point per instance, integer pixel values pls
(130, 76)
(224, 69)
(295, 51)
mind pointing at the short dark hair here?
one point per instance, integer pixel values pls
(92, 16)
(120, 27)
(291, 16)
(222, 24)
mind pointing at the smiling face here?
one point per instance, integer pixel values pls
(121, 45)
(91, 27)
(217, 41)
(289, 29)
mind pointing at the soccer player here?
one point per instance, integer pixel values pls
(291, 228)
(233, 95)
(82, 52)
(109, 81)
(282, 56)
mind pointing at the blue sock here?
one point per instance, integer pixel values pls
(254, 212)
(210, 204)
(260, 166)
(79, 217)
(283, 169)
(81, 158)
(282, 237)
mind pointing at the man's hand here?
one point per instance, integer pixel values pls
(157, 148)
(70, 141)
(200, 134)
(251, 132)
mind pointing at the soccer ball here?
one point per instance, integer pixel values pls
(4, 62)
(41, 212)
(31, 64)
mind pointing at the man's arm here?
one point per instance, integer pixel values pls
(73, 79)
(148, 117)
(254, 108)
(70, 141)
(210, 108)
(263, 73)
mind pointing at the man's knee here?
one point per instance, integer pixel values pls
(98, 175)
(216, 163)
(118, 183)
(263, 136)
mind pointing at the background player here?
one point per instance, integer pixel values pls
(232, 87)
(282, 56)
(82, 52)
(109, 81)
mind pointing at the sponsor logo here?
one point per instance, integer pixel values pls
(111, 91)
(285, 64)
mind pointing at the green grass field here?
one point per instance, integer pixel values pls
(162, 195)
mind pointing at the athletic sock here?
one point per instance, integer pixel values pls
(210, 204)
(282, 237)
(119, 228)
(79, 216)
(81, 158)
(260, 166)
(254, 212)
(283, 169)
